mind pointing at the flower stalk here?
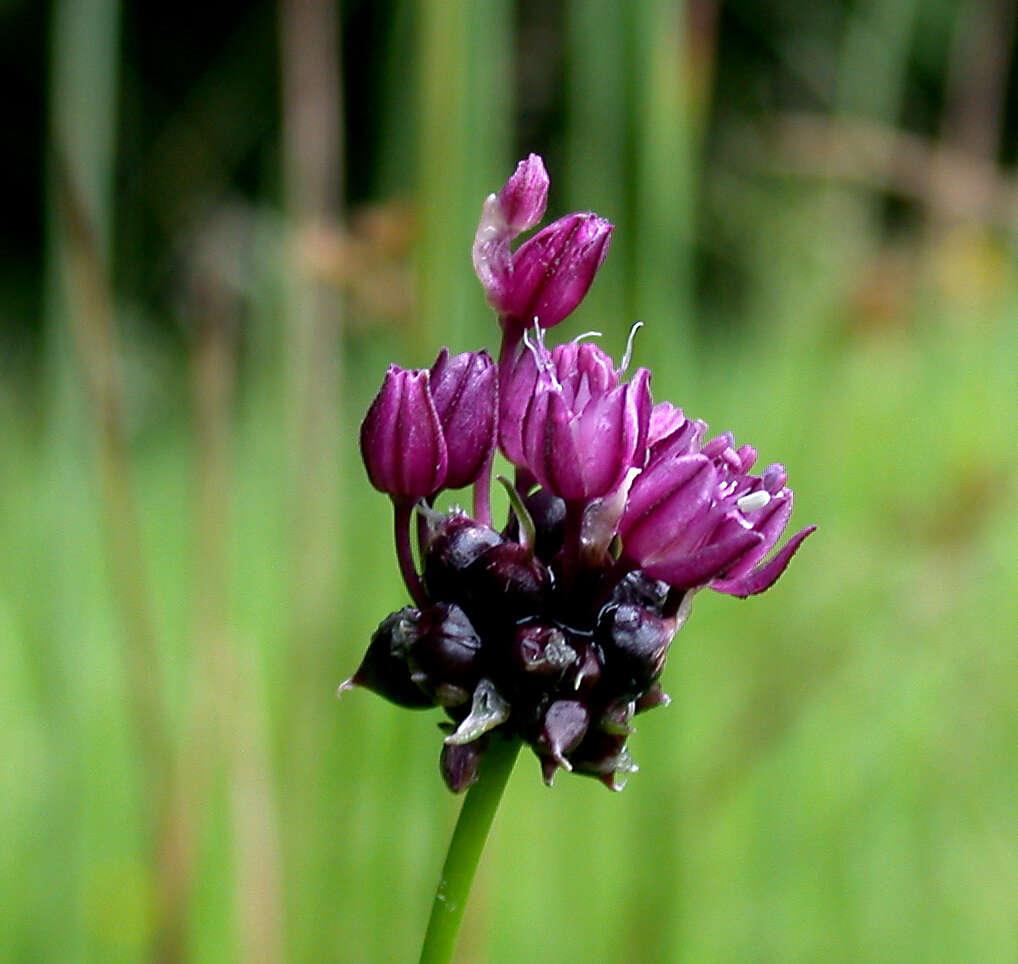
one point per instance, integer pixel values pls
(402, 510)
(465, 849)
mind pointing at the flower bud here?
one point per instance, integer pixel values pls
(524, 197)
(402, 443)
(553, 270)
(549, 514)
(605, 756)
(654, 697)
(639, 589)
(384, 669)
(518, 207)
(501, 585)
(588, 674)
(444, 656)
(617, 718)
(464, 389)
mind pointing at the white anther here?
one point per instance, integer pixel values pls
(753, 501)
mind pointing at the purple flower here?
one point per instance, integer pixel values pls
(549, 275)
(553, 271)
(696, 518)
(428, 430)
(402, 442)
(584, 431)
(518, 207)
(464, 389)
(571, 364)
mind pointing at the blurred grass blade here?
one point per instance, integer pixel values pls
(313, 175)
(665, 181)
(598, 129)
(464, 129)
(86, 41)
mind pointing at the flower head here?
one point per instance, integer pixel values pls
(554, 629)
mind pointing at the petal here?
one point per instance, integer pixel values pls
(524, 197)
(605, 436)
(492, 256)
(561, 456)
(464, 390)
(423, 458)
(515, 396)
(694, 570)
(662, 503)
(684, 440)
(665, 419)
(747, 457)
(770, 522)
(639, 386)
(378, 432)
(766, 575)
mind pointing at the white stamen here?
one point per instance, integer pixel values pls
(628, 356)
(586, 334)
(542, 357)
(753, 501)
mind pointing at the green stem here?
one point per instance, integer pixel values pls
(465, 851)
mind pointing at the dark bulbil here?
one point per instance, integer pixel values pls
(384, 669)
(571, 688)
(444, 657)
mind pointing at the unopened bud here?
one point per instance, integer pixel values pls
(554, 269)
(401, 437)
(453, 543)
(464, 389)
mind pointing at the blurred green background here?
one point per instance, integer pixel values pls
(223, 221)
